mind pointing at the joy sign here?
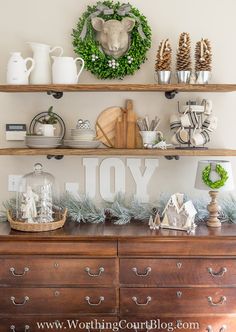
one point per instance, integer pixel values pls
(109, 176)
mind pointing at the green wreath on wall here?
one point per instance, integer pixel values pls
(96, 61)
(220, 171)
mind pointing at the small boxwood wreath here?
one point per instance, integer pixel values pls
(219, 183)
(100, 64)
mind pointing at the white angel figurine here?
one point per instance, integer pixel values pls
(28, 207)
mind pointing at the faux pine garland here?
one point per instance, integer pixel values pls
(123, 210)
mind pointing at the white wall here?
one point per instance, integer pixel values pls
(51, 22)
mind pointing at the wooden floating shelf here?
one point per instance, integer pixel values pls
(119, 87)
(117, 152)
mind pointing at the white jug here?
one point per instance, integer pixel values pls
(17, 72)
(42, 73)
(64, 70)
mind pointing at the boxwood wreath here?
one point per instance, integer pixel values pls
(220, 171)
(96, 61)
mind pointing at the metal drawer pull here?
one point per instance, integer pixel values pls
(179, 265)
(179, 294)
(222, 301)
(222, 329)
(101, 299)
(220, 273)
(148, 270)
(100, 271)
(13, 328)
(26, 299)
(149, 299)
(13, 271)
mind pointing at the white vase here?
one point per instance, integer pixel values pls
(46, 130)
(17, 72)
(42, 71)
(64, 70)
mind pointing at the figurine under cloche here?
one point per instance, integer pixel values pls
(35, 197)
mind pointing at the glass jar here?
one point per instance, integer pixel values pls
(35, 197)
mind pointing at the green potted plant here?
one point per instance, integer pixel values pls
(47, 123)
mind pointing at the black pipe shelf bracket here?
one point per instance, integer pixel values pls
(172, 157)
(171, 94)
(59, 157)
(55, 94)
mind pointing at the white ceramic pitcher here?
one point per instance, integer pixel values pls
(42, 73)
(64, 70)
(17, 72)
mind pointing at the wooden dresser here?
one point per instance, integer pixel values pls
(110, 274)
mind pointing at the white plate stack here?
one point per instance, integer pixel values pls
(82, 139)
(42, 142)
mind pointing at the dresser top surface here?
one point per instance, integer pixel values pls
(108, 231)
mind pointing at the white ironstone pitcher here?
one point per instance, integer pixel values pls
(42, 73)
(64, 70)
(17, 72)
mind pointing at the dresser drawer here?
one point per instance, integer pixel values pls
(52, 323)
(179, 323)
(176, 246)
(178, 272)
(80, 248)
(177, 300)
(57, 300)
(57, 271)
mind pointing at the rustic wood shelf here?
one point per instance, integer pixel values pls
(117, 152)
(119, 87)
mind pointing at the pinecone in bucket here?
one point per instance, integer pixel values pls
(183, 57)
(163, 58)
(203, 55)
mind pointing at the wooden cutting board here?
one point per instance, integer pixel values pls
(106, 125)
(131, 125)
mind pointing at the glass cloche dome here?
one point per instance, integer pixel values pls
(35, 197)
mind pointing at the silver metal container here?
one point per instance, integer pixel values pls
(183, 76)
(203, 77)
(163, 77)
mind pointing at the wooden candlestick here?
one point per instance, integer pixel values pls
(213, 209)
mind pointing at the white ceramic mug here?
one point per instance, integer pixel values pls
(200, 138)
(185, 120)
(64, 70)
(150, 137)
(208, 106)
(175, 122)
(210, 123)
(174, 140)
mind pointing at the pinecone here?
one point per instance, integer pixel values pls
(203, 55)
(183, 60)
(163, 59)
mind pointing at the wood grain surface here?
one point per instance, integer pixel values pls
(117, 152)
(120, 87)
